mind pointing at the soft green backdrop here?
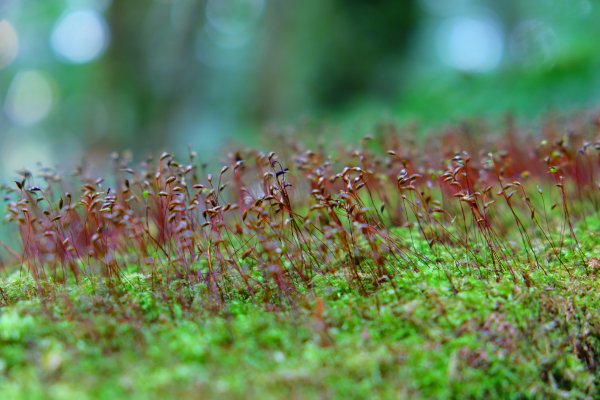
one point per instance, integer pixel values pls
(83, 78)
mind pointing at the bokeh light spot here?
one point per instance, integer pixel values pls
(29, 98)
(233, 16)
(471, 44)
(533, 42)
(80, 36)
(9, 43)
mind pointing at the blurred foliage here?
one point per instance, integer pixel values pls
(204, 72)
(148, 75)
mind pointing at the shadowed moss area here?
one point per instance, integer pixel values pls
(411, 337)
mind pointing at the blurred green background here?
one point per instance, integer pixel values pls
(84, 78)
(93, 76)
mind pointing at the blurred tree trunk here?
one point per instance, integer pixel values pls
(150, 69)
(325, 53)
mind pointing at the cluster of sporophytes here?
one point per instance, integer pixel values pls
(288, 228)
(269, 225)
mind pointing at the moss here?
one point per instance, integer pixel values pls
(492, 339)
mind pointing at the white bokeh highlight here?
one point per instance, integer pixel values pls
(80, 36)
(471, 43)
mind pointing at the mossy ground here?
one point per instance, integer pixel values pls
(493, 339)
